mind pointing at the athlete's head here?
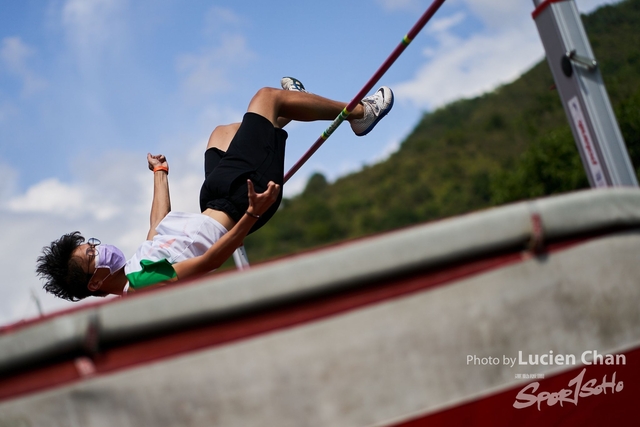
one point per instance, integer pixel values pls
(69, 264)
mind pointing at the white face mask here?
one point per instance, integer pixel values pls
(110, 257)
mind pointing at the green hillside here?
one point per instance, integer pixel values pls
(511, 144)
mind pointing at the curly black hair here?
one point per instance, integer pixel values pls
(65, 277)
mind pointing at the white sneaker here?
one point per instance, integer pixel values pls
(291, 83)
(376, 107)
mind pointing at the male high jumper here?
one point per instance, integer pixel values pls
(244, 170)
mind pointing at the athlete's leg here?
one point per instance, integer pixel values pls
(274, 103)
(281, 106)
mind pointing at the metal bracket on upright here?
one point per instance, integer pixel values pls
(583, 94)
(572, 57)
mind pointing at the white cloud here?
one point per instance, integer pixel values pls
(499, 15)
(104, 189)
(459, 68)
(91, 22)
(214, 68)
(212, 115)
(391, 147)
(466, 68)
(50, 196)
(15, 55)
(502, 14)
(8, 181)
(211, 71)
(94, 28)
(587, 6)
(217, 16)
(446, 23)
(295, 185)
(66, 200)
(392, 5)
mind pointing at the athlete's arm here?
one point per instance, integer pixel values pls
(217, 254)
(161, 204)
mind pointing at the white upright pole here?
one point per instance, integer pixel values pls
(240, 258)
(583, 94)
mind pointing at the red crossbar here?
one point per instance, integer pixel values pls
(372, 81)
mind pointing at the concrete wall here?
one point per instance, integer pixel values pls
(381, 363)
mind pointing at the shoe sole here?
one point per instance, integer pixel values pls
(380, 117)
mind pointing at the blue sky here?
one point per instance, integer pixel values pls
(88, 87)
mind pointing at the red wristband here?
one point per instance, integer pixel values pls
(161, 168)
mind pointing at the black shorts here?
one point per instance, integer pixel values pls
(257, 153)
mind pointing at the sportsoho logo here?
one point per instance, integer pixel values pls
(577, 387)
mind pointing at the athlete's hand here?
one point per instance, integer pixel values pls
(260, 202)
(156, 160)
